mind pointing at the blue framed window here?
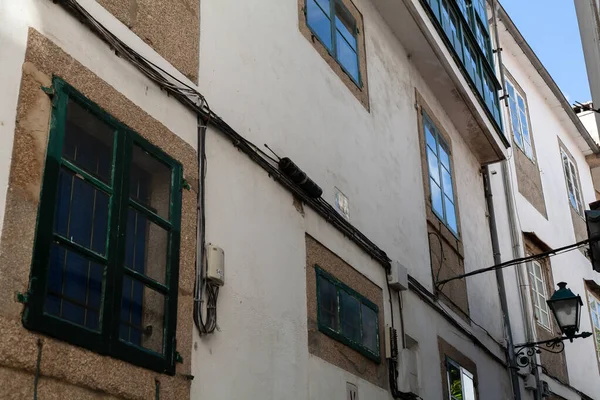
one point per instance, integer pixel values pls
(106, 256)
(335, 27)
(464, 25)
(347, 316)
(519, 119)
(441, 186)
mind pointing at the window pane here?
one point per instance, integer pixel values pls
(150, 182)
(369, 328)
(81, 213)
(319, 22)
(447, 183)
(468, 387)
(444, 158)
(539, 286)
(347, 57)
(345, 24)
(88, 142)
(328, 304)
(142, 316)
(74, 288)
(450, 215)
(541, 301)
(434, 170)
(146, 247)
(454, 380)
(521, 103)
(538, 270)
(325, 6)
(430, 139)
(350, 316)
(436, 198)
(544, 320)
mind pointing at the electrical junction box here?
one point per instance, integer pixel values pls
(398, 277)
(215, 264)
(408, 376)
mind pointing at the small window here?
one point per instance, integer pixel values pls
(483, 39)
(105, 261)
(573, 187)
(335, 27)
(537, 282)
(451, 26)
(594, 306)
(461, 385)
(347, 316)
(440, 176)
(472, 63)
(519, 119)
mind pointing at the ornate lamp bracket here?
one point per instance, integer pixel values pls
(524, 352)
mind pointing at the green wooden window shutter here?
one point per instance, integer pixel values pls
(105, 265)
(347, 316)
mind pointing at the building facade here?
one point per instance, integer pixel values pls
(544, 188)
(204, 200)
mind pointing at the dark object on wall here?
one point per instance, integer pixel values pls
(300, 178)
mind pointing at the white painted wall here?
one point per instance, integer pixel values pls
(263, 77)
(548, 123)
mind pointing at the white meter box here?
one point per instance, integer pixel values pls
(215, 264)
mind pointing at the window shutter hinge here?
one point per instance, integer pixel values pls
(185, 184)
(178, 357)
(23, 298)
(48, 90)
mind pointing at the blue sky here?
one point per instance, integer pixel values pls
(550, 27)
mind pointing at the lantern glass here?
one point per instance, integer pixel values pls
(566, 308)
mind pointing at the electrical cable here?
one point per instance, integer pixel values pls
(521, 260)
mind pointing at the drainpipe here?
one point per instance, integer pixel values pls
(521, 274)
(512, 364)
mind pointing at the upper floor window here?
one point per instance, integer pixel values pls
(440, 175)
(537, 282)
(573, 186)
(519, 119)
(333, 24)
(106, 256)
(347, 316)
(461, 385)
(451, 25)
(594, 306)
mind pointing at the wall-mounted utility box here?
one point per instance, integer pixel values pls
(215, 264)
(408, 371)
(398, 277)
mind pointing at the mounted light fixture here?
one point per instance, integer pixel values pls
(566, 308)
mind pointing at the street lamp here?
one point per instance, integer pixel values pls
(566, 307)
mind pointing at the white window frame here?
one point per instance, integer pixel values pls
(521, 132)
(594, 309)
(463, 374)
(572, 181)
(537, 279)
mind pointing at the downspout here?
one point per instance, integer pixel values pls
(521, 276)
(512, 364)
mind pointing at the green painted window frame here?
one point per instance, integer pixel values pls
(333, 29)
(106, 339)
(337, 335)
(468, 25)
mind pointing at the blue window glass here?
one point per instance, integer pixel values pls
(317, 18)
(451, 26)
(441, 184)
(336, 28)
(347, 316)
(472, 64)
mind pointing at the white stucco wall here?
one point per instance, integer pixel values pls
(265, 79)
(548, 124)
